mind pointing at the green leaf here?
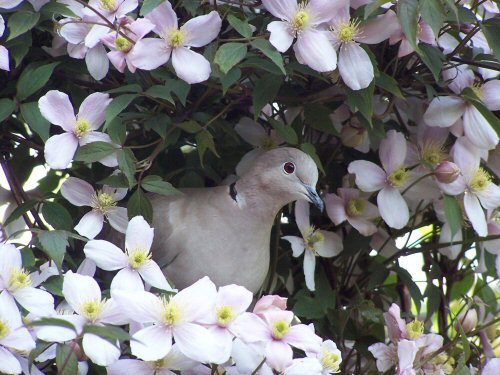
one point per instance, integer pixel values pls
(7, 106)
(308, 307)
(33, 79)
(149, 5)
(190, 126)
(57, 9)
(229, 79)
(108, 332)
(20, 211)
(491, 30)
(462, 287)
(139, 204)
(362, 100)
(432, 57)
(434, 14)
(286, 132)
(493, 120)
(54, 285)
(115, 180)
(463, 340)
(317, 116)
(19, 47)
(453, 213)
(407, 279)
(20, 22)
(373, 6)
(230, 54)
(309, 149)
(35, 120)
(160, 91)
(134, 88)
(268, 49)
(126, 162)
(66, 360)
(117, 106)
(159, 123)
(408, 17)
(242, 27)
(389, 84)
(57, 216)
(204, 141)
(54, 244)
(265, 91)
(179, 88)
(117, 130)
(94, 151)
(51, 322)
(155, 184)
(433, 299)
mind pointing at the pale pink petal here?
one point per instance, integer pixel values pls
(143, 307)
(19, 339)
(331, 246)
(466, 156)
(74, 33)
(8, 363)
(140, 27)
(152, 343)
(150, 53)
(58, 333)
(297, 244)
(224, 340)
(164, 18)
(383, 355)
(57, 109)
(130, 366)
(78, 289)
(127, 279)
(250, 328)
(152, 274)
(118, 218)
(393, 207)
(9, 4)
(251, 131)
(87, 267)
(93, 109)
(126, 6)
(106, 255)
(493, 365)
(60, 149)
(4, 59)
(490, 196)
(78, 192)
(407, 350)
(202, 30)
(459, 78)
(90, 225)
(97, 62)
(364, 226)
(444, 111)
(99, 350)
(117, 58)
(379, 29)
(475, 214)
(112, 313)
(426, 34)
(203, 292)
(139, 234)
(369, 176)
(309, 269)
(395, 324)
(2, 25)
(322, 10)
(278, 355)
(304, 338)
(308, 365)
(490, 95)
(195, 342)
(478, 130)
(316, 50)
(95, 34)
(392, 151)
(177, 360)
(190, 66)
(280, 37)
(283, 9)
(451, 251)
(405, 48)
(77, 51)
(36, 301)
(355, 66)
(10, 257)
(238, 297)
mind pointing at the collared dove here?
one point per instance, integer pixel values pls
(224, 232)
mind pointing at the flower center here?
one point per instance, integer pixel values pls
(102, 201)
(398, 177)
(82, 127)
(415, 329)
(355, 207)
(171, 312)
(330, 361)
(280, 329)
(175, 38)
(138, 258)
(225, 315)
(4, 329)
(109, 5)
(160, 363)
(480, 180)
(347, 31)
(300, 19)
(313, 236)
(268, 143)
(19, 279)
(123, 44)
(433, 154)
(92, 309)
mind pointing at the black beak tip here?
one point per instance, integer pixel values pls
(314, 198)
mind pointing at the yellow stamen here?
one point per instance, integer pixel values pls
(300, 19)
(268, 143)
(312, 236)
(415, 329)
(433, 153)
(19, 279)
(102, 201)
(330, 361)
(480, 180)
(92, 309)
(122, 44)
(172, 313)
(175, 38)
(138, 258)
(347, 31)
(225, 315)
(280, 329)
(109, 5)
(4, 329)
(398, 177)
(355, 207)
(82, 127)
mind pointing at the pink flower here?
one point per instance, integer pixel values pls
(150, 53)
(135, 263)
(103, 203)
(350, 206)
(4, 53)
(122, 47)
(314, 242)
(390, 180)
(329, 357)
(269, 302)
(424, 34)
(78, 130)
(301, 22)
(395, 325)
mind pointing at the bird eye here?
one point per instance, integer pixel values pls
(289, 167)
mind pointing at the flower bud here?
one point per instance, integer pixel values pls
(352, 136)
(467, 319)
(447, 172)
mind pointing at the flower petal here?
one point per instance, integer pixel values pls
(78, 289)
(248, 327)
(118, 218)
(392, 151)
(330, 246)
(190, 66)
(150, 53)
(490, 95)
(303, 337)
(380, 28)
(130, 366)
(60, 149)
(202, 30)
(196, 342)
(90, 225)
(106, 255)
(139, 234)
(97, 62)
(8, 363)
(78, 192)
(316, 50)
(99, 350)
(283, 9)
(475, 213)
(152, 343)
(444, 111)
(36, 301)
(355, 66)
(335, 208)
(478, 130)
(127, 279)
(297, 243)
(152, 274)
(164, 18)
(280, 37)
(143, 307)
(251, 131)
(393, 207)
(238, 297)
(309, 268)
(369, 176)
(19, 339)
(203, 292)
(57, 109)
(93, 109)
(4, 59)
(278, 355)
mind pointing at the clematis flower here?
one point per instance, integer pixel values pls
(177, 317)
(269, 302)
(314, 242)
(13, 337)
(78, 130)
(389, 180)
(4, 53)
(425, 34)
(329, 357)
(15, 284)
(301, 22)
(350, 206)
(121, 47)
(300, 366)
(150, 53)
(135, 263)
(103, 202)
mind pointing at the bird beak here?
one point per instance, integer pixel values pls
(314, 198)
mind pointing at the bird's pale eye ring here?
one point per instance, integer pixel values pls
(288, 167)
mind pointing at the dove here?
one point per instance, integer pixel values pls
(224, 232)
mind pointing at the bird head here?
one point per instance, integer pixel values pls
(287, 174)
